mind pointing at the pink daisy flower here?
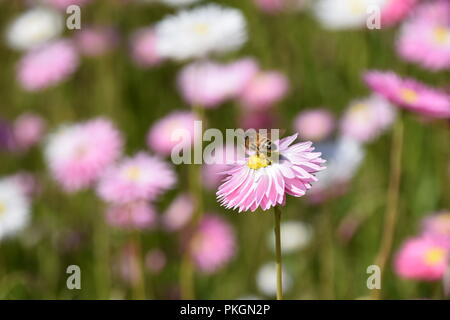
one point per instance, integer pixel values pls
(142, 177)
(48, 65)
(163, 137)
(410, 94)
(78, 154)
(396, 10)
(28, 130)
(315, 124)
(437, 227)
(264, 90)
(426, 43)
(133, 215)
(96, 41)
(143, 48)
(213, 244)
(366, 119)
(421, 259)
(179, 213)
(258, 181)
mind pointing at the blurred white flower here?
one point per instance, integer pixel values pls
(34, 28)
(343, 160)
(200, 31)
(14, 208)
(266, 279)
(295, 235)
(344, 14)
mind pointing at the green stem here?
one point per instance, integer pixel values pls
(139, 284)
(391, 215)
(101, 247)
(278, 253)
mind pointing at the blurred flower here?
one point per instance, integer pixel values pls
(212, 244)
(200, 31)
(78, 154)
(264, 90)
(314, 124)
(160, 137)
(6, 136)
(394, 11)
(410, 94)
(179, 213)
(201, 84)
(344, 157)
(28, 130)
(63, 4)
(437, 11)
(421, 259)
(215, 165)
(128, 264)
(141, 177)
(262, 119)
(266, 279)
(437, 227)
(14, 208)
(270, 6)
(34, 28)
(295, 235)
(427, 41)
(48, 65)
(257, 181)
(344, 14)
(178, 3)
(366, 119)
(95, 41)
(28, 182)
(143, 47)
(155, 260)
(132, 215)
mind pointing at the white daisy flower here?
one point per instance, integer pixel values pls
(14, 208)
(200, 31)
(295, 235)
(344, 14)
(34, 27)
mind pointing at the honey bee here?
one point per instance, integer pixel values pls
(260, 144)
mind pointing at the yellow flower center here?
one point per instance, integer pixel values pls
(356, 7)
(133, 173)
(441, 35)
(443, 224)
(201, 28)
(409, 95)
(256, 162)
(2, 209)
(434, 256)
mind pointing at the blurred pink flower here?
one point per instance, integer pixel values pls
(213, 243)
(143, 47)
(410, 94)
(28, 182)
(257, 181)
(78, 154)
(366, 119)
(179, 213)
(48, 65)
(155, 260)
(396, 10)
(426, 43)
(142, 177)
(63, 4)
(28, 130)
(437, 11)
(236, 75)
(159, 137)
(258, 120)
(421, 259)
(202, 85)
(95, 41)
(132, 215)
(215, 166)
(270, 6)
(437, 227)
(127, 264)
(314, 124)
(264, 90)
